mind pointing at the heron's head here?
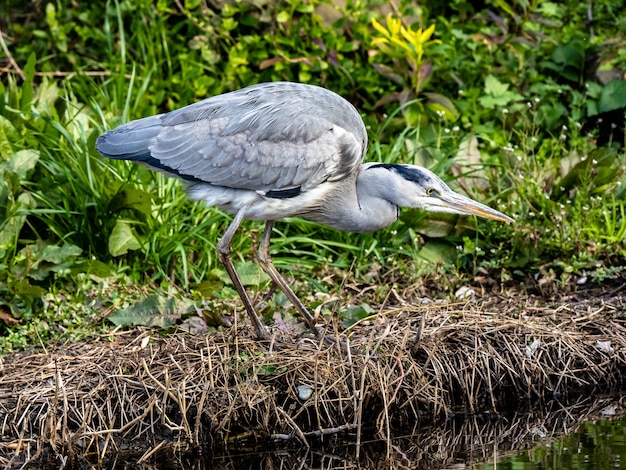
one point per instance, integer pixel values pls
(421, 188)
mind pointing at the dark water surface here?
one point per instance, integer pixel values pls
(596, 445)
(585, 435)
(588, 434)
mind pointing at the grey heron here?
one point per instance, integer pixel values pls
(278, 150)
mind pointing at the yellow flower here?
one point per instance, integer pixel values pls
(411, 42)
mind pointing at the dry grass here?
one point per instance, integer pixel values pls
(136, 391)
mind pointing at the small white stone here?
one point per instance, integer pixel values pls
(532, 347)
(604, 346)
(610, 410)
(304, 392)
(465, 293)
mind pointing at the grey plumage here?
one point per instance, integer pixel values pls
(262, 138)
(278, 150)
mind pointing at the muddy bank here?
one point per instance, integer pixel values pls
(140, 392)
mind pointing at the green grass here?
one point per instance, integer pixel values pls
(76, 228)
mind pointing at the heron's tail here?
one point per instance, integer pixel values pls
(130, 141)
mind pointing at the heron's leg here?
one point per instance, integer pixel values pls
(263, 255)
(223, 253)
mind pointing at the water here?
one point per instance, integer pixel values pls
(519, 441)
(597, 445)
(551, 437)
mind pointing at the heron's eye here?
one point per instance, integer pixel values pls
(430, 191)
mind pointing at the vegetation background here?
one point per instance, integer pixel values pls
(520, 104)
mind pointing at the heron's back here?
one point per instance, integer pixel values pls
(270, 137)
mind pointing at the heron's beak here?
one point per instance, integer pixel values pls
(460, 204)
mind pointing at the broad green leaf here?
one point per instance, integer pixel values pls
(38, 260)
(131, 197)
(550, 9)
(495, 87)
(8, 135)
(570, 60)
(305, 7)
(435, 251)
(122, 239)
(208, 288)
(437, 102)
(47, 95)
(433, 225)
(25, 288)
(506, 6)
(283, 17)
(59, 254)
(490, 101)
(613, 96)
(155, 310)
(77, 123)
(414, 115)
(592, 108)
(250, 274)
(600, 167)
(22, 162)
(497, 94)
(353, 314)
(10, 229)
(94, 268)
(594, 90)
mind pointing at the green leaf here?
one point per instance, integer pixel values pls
(594, 90)
(613, 96)
(4, 193)
(432, 225)
(592, 108)
(38, 260)
(47, 95)
(59, 254)
(22, 162)
(10, 229)
(435, 251)
(437, 102)
(207, 288)
(8, 135)
(570, 60)
(122, 239)
(131, 197)
(27, 87)
(353, 314)
(495, 87)
(94, 268)
(25, 288)
(598, 168)
(497, 94)
(249, 273)
(155, 310)
(283, 17)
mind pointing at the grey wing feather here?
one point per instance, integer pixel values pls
(272, 136)
(130, 141)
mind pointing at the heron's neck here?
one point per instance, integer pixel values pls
(367, 206)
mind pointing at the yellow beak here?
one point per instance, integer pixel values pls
(460, 204)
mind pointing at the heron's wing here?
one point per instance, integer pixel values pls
(269, 137)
